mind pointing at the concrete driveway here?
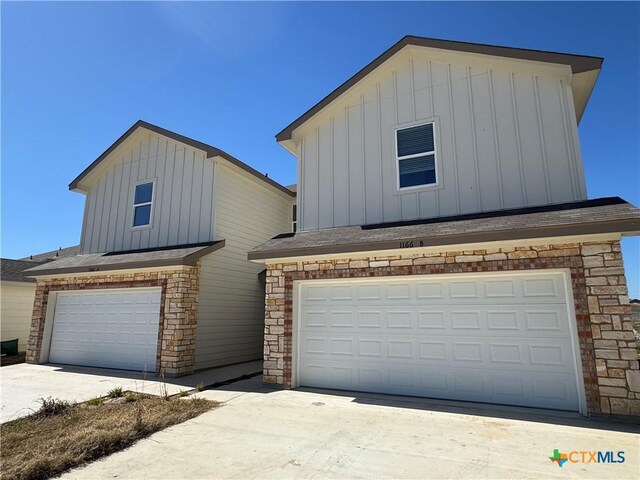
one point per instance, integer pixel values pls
(263, 433)
(23, 385)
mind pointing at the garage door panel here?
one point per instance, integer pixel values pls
(502, 339)
(506, 290)
(550, 391)
(443, 352)
(115, 329)
(548, 321)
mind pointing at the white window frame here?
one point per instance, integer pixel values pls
(416, 155)
(153, 197)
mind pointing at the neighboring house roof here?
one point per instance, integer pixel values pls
(54, 254)
(143, 258)
(293, 188)
(606, 215)
(210, 151)
(578, 63)
(12, 270)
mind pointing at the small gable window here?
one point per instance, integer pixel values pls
(416, 156)
(142, 203)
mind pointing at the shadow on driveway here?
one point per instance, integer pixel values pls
(208, 378)
(537, 415)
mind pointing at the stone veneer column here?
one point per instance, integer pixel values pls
(607, 346)
(178, 337)
(178, 311)
(614, 343)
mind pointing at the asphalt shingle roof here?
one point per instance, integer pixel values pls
(54, 254)
(593, 216)
(11, 270)
(153, 257)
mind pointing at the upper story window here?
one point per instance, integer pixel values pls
(416, 155)
(294, 220)
(142, 204)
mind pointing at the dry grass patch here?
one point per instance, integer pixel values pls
(60, 437)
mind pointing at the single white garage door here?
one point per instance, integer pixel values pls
(501, 338)
(107, 328)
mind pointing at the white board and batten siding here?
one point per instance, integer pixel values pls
(506, 137)
(231, 299)
(182, 211)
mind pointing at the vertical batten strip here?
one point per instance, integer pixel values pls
(496, 140)
(543, 147)
(568, 144)
(347, 141)
(364, 160)
(333, 168)
(381, 176)
(432, 113)
(125, 224)
(453, 137)
(119, 168)
(413, 92)
(514, 106)
(395, 122)
(190, 193)
(173, 181)
(474, 139)
(300, 187)
(318, 174)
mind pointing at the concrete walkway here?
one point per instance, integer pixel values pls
(261, 434)
(21, 386)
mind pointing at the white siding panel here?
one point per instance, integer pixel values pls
(160, 205)
(340, 174)
(463, 126)
(355, 132)
(422, 86)
(533, 162)
(16, 309)
(562, 183)
(183, 197)
(373, 172)
(388, 121)
(231, 298)
(505, 138)
(511, 175)
(404, 93)
(325, 175)
(448, 197)
(487, 161)
(311, 193)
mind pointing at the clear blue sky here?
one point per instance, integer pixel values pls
(75, 76)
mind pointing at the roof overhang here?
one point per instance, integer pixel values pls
(181, 255)
(628, 227)
(602, 216)
(585, 71)
(77, 186)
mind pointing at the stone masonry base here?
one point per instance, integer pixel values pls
(607, 344)
(178, 311)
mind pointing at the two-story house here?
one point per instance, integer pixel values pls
(446, 246)
(162, 282)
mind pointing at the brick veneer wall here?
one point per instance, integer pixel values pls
(178, 311)
(607, 345)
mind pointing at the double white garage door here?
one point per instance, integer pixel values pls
(107, 328)
(503, 338)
